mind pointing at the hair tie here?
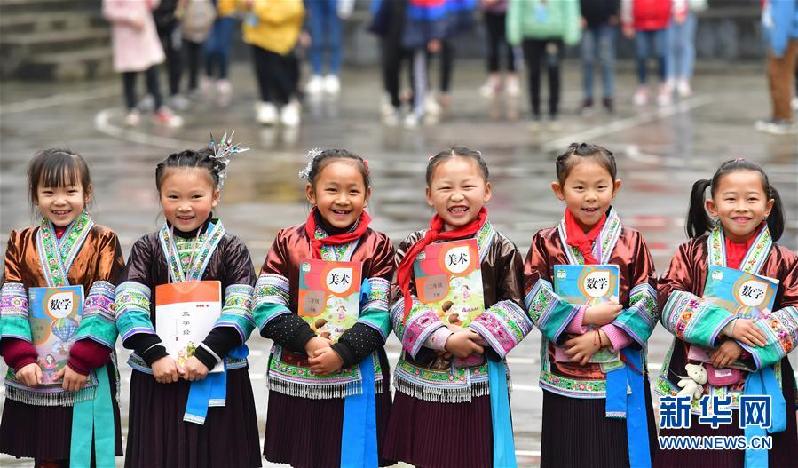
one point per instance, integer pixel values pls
(223, 150)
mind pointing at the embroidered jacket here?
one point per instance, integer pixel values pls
(503, 324)
(616, 245)
(694, 320)
(213, 255)
(87, 255)
(275, 313)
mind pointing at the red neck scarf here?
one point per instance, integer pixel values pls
(576, 237)
(334, 239)
(59, 231)
(435, 233)
(735, 251)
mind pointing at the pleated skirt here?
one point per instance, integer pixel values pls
(45, 432)
(159, 438)
(577, 433)
(436, 435)
(307, 433)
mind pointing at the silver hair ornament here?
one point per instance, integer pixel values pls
(223, 150)
(304, 174)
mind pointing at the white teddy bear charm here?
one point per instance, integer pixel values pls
(692, 385)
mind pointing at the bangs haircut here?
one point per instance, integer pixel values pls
(57, 167)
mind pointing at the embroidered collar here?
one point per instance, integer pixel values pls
(604, 245)
(56, 255)
(200, 252)
(754, 258)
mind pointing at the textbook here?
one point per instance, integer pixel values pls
(54, 316)
(185, 313)
(449, 280)
(587, 285)
(746, 295)
(329, 296)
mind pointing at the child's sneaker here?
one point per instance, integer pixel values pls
(776, 126)
(511, 86)
(641, 96)
(205, 85)
(331, 84)
(179, 102)
(608, 104)
(411, 121)
(587, 106)
(164, 116)
(488, 90)
(683, 89)
(664, 96)
(431, 105)
(132, 118)
(289, 114)
(315, 84)
(265, 113)
(147, 103)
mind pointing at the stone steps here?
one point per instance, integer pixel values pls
(54, 40)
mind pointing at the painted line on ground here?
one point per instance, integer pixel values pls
(624, 124)
(102, 123)
(58, 100)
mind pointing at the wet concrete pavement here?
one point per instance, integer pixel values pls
(660, 152)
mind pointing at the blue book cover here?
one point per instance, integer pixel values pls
(54, 315)
(588, 285)
(744, 294)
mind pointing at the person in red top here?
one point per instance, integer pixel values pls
(647, 21)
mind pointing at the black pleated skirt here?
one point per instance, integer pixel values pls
(307, 433)
(45, 432)
(159, 438)
(431, 434)
(576, 433)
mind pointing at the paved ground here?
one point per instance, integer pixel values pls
(660, 151)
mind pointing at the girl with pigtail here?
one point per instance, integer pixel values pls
(328, 376)
(737, 227)
(180, 415)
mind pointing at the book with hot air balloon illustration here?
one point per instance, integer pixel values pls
(54, 315)
(185, 313)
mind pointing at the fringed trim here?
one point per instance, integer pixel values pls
(441, 395)
(317, 391)
(56, 398)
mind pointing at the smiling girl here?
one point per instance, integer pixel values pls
(192, 245)
(323, 394)
(745, 221)
(584, 404)
(66, 248)
(455, 412)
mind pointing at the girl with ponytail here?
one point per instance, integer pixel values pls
(736, 226)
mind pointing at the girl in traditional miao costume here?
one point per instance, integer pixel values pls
(67, 249)
(329, 399)
(747, 354)
(595, 413)
(180, 415)
(451, 407)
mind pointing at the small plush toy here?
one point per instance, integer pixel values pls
(692, 385)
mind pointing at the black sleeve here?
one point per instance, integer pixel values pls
(357, 343)
(237, 269)
(289, 331)
(147, 346)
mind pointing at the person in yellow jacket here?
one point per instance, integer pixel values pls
(272, 28)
